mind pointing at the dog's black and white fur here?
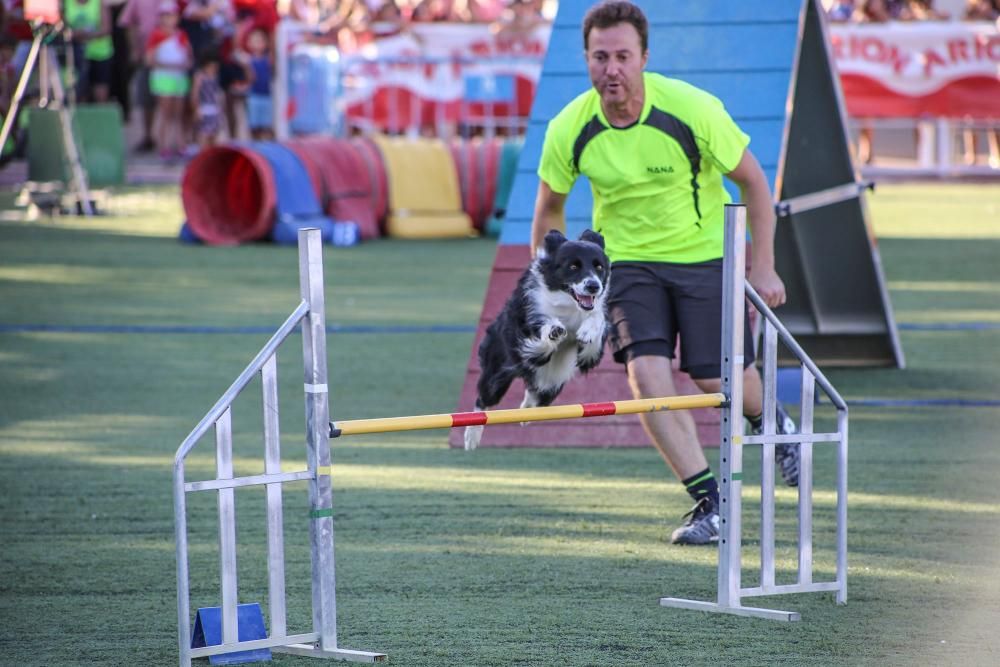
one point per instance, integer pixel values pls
(554, 323)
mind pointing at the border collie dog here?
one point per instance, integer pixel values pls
(554, 323)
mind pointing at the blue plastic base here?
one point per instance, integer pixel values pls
(346, 234)
(187, 235)
(789, 389)
(250, 625)
(286, 231)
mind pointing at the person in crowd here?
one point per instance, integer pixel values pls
(93, 50)
(641, 140)
(337, 23)
(260, 112)
(519, 21)
(484, 11)
(120, 89)
(436, 11)
(206, 23)
(207, 98)
(924, 10)
(875, 11)
(387, 19)
(255, 13)
(169, 56)
(881, 11)
(982, 10)
(17, 35)
(8, 82)
(140, 18)
(841, 11)
(234, 78)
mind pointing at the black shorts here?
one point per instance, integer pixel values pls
(99, 71)
(231, 73)
(652, 303)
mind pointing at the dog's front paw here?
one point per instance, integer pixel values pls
(473, 435)
(591, 331)
(556, 332)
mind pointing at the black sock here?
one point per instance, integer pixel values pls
(701, 485)
(756, 422)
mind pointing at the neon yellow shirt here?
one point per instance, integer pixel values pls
(657, 184)
(88, 15)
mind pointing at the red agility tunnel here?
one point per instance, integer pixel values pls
(342, 179)
(477, 163)
(229, 195)
(375, 166)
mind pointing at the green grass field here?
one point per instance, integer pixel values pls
(497, 557)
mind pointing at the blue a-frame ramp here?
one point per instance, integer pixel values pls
(746, 54)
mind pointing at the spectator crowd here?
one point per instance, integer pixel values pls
(883, 11)
(198, 70)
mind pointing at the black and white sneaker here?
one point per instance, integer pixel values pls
(701, 527)
(786, 455)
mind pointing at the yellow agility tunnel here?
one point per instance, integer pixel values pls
(425, 201)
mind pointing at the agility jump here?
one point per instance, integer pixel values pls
(321, 641)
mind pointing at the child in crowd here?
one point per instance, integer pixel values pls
(206, 98)
(168, 55)
(260, 115)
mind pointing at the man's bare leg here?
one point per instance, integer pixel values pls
(753, 390)
(673, 433)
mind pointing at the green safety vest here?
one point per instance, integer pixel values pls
(88, 16)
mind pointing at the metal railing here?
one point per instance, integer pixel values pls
(935, 147)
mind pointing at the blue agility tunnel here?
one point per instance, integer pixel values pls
(296, 204)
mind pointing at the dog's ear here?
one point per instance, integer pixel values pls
(553, 240)
(593, 237)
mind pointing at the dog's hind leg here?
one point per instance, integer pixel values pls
(491, 388)
(473, 435)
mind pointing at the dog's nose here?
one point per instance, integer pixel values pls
(592, 286)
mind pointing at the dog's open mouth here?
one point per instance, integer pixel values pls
(586, 301)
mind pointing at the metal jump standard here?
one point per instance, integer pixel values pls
(321, 640)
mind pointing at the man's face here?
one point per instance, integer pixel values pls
(615, 62)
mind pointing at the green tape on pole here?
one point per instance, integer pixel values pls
(321, 513)
(737, 476)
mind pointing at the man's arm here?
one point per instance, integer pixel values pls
(549, 215)
(760, 212)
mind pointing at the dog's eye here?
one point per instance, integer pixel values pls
(575, 266)
(598, 267)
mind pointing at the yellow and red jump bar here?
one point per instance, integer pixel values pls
(455, 419)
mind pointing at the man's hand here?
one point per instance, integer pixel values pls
(767, 283)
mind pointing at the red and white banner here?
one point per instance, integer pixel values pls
(443, 72)
(908, 70)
